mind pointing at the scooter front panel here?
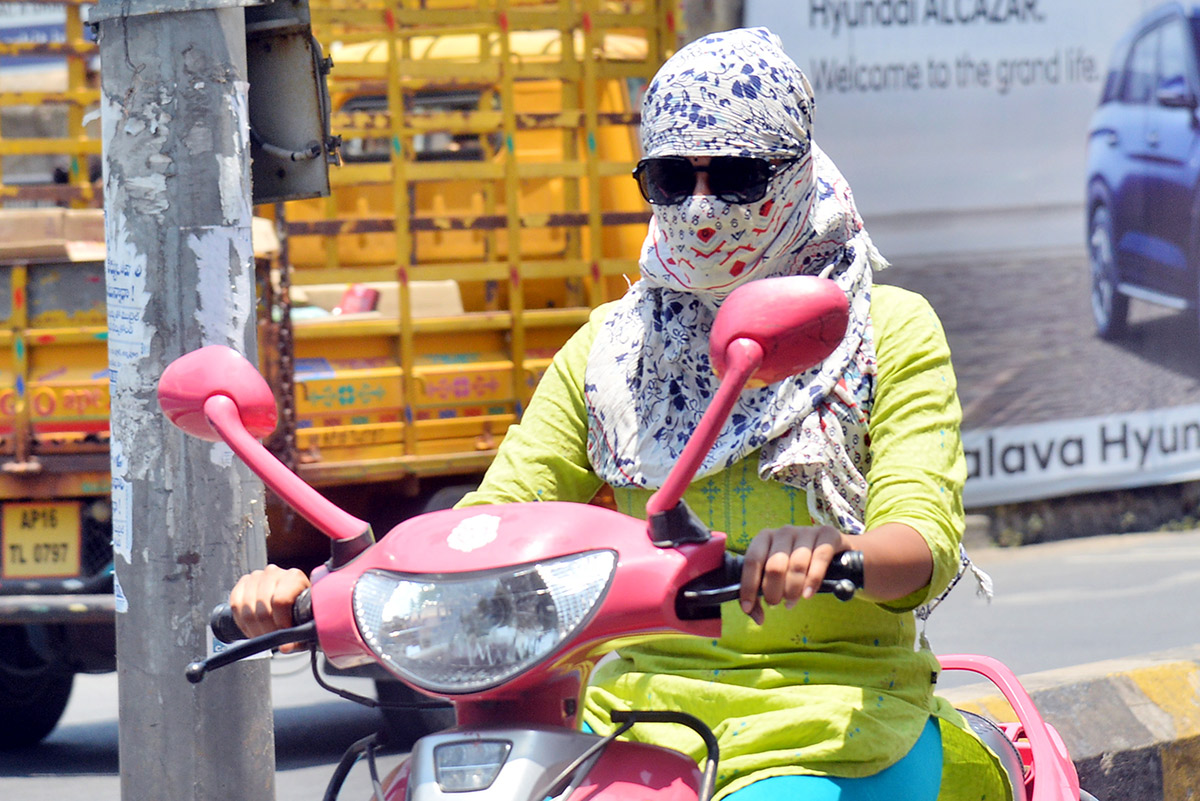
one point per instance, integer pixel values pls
(537, 756)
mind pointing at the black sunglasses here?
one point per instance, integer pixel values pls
(670, 180)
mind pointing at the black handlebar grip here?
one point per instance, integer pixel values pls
(302, 611)
(223, 626)
(226, 630)
(844, 577)
(847, 566)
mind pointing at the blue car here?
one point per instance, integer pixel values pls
(1143, 166)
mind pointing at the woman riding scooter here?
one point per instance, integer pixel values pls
(809, 697)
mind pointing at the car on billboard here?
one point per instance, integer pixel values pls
(1143, 168)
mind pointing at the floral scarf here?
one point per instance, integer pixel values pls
(648, 378)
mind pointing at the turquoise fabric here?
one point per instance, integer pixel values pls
(916, 777)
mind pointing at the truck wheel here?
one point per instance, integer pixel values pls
(405, 726)
(33, 693)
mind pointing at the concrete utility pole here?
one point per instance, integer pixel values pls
(187, 520)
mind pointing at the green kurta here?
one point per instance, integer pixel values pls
(823, 688)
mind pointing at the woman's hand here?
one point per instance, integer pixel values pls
(787, 564)
(262, 600)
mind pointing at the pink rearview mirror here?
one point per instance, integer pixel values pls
(195, 377)
(796, 320)
(216, 394)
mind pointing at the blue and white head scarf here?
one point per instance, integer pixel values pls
(648, 378)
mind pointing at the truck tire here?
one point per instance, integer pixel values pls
(33, 692)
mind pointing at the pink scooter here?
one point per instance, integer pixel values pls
(504, 610)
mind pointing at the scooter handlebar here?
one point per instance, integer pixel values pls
(239, 646)
(223, 626)
(701, 598)
(844, 576)
(226, 629)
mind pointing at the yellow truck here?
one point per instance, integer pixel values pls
(483, 208)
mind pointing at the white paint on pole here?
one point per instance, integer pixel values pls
(122, 503)
(145, 190)
(234, 205)
(225, 297)
(221, 455)
(225, 255)
(129, 335)
(120, 602)
(126, 267)
(127, 297)
(234, 169)
(128, 340)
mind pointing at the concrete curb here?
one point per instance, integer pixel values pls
(1132, 725)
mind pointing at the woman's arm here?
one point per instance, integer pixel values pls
(787, 564)
(914, 512)
(917, 468)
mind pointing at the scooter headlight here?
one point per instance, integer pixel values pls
(462, 633)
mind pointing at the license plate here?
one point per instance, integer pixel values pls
(40, 540)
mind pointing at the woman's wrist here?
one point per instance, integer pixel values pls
(896, 561)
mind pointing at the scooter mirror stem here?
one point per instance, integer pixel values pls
(743, 356)
(216, 394)
(677, 525)
(338, 524)
(767, 329)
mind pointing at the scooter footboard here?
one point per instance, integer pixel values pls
(541, 762)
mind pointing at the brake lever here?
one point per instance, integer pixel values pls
(304, 633)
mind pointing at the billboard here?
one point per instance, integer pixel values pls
(31, 23)
(1055, 235)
